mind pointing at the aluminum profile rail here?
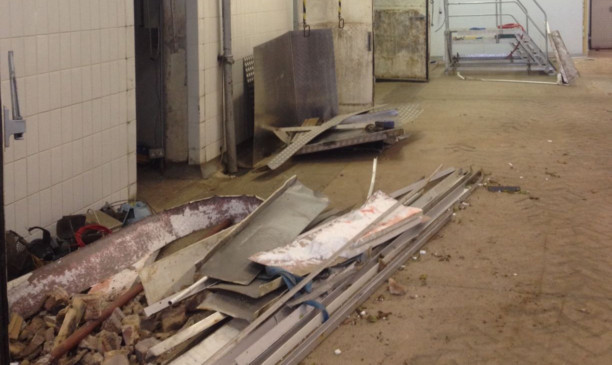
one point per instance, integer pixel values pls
(290, 335)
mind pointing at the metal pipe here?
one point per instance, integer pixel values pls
(14, 94)
(228, 61)
(296, 15)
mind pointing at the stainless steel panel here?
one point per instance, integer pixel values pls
(295, 79)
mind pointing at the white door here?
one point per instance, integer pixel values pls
(601, 24)
(353, 46)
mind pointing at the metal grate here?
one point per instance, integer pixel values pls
(249, 82)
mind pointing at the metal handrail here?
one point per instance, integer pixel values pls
(517, 2)
(486, 15)
(498, 14)
(545, 22)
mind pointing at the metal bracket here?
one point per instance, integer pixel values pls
(15, 126)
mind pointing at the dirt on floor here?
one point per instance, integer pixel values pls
(515, 278)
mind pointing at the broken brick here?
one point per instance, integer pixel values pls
(71, 320)
(50, 321)
(114, 322)
(130, 334)
(34, 347)
(72, 360)
(92, 358)
(94, 305)
(90, 342)
(173, 319)
(57, 299)
(115, 358)
(396, 288)
(143, 346)
(108, 341)
(15, 326)
(36, 325)
(15, 349)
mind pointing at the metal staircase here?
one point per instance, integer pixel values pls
(487, 34)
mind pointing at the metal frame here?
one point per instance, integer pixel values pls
(531, 54)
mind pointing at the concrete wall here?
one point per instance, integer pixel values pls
(175, 78)
(563, 15)
(253, 23)
(75, 68)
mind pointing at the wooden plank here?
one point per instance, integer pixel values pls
(184, 335)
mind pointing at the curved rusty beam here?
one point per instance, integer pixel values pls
(90, 265)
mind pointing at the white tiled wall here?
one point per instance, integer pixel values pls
(75, 74)
(253, 22)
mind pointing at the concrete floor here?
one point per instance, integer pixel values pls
(529, 276)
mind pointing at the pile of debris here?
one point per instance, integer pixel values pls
(266, 290)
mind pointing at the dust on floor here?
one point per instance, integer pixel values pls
(519, 278)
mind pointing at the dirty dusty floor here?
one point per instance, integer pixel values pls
(529, 280)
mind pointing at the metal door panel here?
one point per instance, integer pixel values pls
(601, 24)
(353, 48)
(401, 45)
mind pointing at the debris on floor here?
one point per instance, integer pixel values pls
(264, 290)
(504, 189)
(396, 288)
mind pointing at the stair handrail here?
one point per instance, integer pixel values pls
(518, 3)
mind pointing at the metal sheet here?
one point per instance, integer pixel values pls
(170, 274)
(601, 24)
(257, 289)
(353, 47)
(339, 139)
(238, 306)
(398, 252)
(315, 247)
(305, 138)
(277, 222)
(295, 80)
(90, 265)
(198, 354)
